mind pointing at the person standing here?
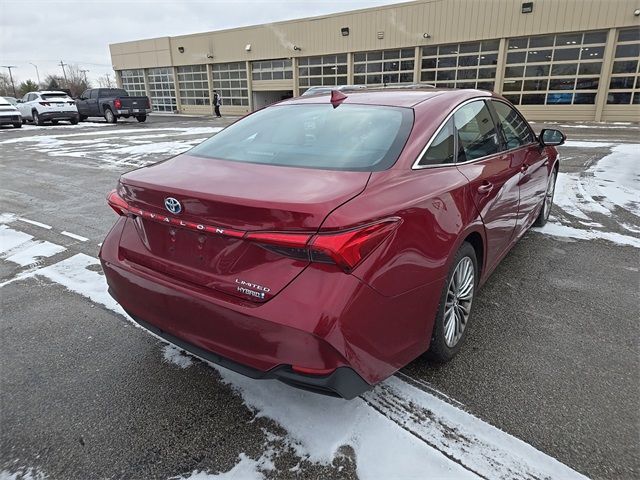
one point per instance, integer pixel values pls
(217, 101)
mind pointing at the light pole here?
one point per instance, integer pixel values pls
(85, 76)
(37, 73)
(9, 67)
(62, 64)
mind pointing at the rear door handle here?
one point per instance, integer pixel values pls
(485, 188)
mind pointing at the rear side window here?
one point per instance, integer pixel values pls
(93, 93)
(476, 131)
(514, 128)
(442, 148)
(349, 137)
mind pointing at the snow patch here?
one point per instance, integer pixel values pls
(558, 230)
(245, 469)
(30, 252)
(10, 238)
(7, 218)
(23, 473)
(73, 273)
(579, 144)
(176, 356)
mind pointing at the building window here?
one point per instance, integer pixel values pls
(193, 85)
(559, 69)
(133, 82)
(162, 90)
(383, 67)
(272, 70)
(327, 70)
(230, 80)
(624, 86)
(461, 65)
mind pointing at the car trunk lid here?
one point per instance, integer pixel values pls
(204, 242)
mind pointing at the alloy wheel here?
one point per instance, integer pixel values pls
(458, 303)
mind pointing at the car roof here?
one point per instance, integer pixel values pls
(396, 97)
(44, 92)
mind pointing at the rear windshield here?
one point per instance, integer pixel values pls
(48, 96)
(349, 137)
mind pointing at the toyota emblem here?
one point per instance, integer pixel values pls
(172, 205)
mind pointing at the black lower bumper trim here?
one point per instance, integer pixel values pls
(342, 382)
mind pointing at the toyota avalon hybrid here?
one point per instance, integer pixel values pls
(328, 240)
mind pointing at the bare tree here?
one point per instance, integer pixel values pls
(76, 83)
(105, 81)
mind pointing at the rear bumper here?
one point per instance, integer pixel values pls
(133, 111)
(324, 320)
(342, 382)
(58, 115)
(10, 119)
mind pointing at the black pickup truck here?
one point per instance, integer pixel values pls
(112, 103)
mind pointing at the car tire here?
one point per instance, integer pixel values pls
(36, 118)
(141, 118)
(543, 216)
(452, 323)
(74, 121)
(17, 125)
(82, 118)
(109, 116)
(54, 122)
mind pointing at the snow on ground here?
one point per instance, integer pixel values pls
(23, 473)
(559, 230)
(397, 431)
(20, 248)
(176, 356)
(245, 469)
(28, 127)
(579, 144)
(604, 194)
(120, 147)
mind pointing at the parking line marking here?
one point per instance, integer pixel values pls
(77, 237)
(37, 224)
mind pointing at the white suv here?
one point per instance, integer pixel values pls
(40, 107)
(9, 115)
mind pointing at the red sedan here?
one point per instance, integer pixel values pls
(328, 240)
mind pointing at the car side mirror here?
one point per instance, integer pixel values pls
(551, 138)
(18, 101)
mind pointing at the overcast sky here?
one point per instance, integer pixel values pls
(44, 32)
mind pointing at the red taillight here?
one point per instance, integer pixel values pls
(346, 249)
(117, 103)
(280, 239)
(118, 204)
(148, 103)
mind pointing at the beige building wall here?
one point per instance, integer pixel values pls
(407, 25)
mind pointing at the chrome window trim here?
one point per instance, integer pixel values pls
(416, 165)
